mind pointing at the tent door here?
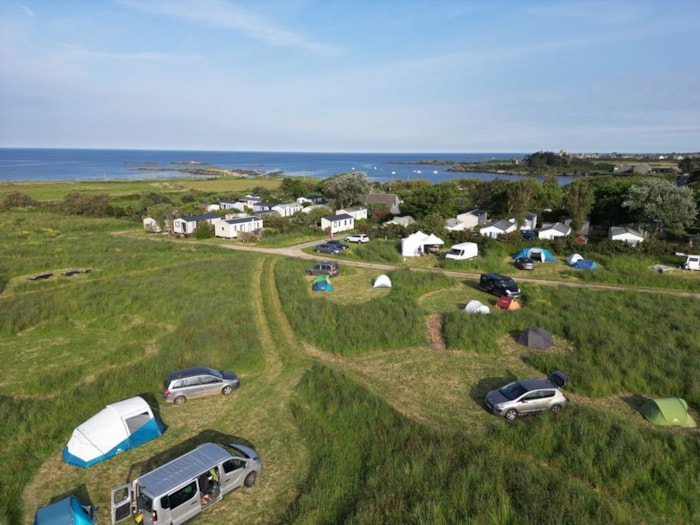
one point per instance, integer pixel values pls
(121, 502)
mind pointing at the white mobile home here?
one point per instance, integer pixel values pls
(229, 229)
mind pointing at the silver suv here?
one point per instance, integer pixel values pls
(528, 396)
(182, 385)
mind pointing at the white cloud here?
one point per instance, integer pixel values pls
(219, 13)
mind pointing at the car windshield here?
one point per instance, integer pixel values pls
(454, 251)
(215, 373)
(513, 390)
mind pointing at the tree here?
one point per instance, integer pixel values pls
(657, 203)
(437, 199)
(346, 188)
(579, 199)
(293, 187)
(520, 194)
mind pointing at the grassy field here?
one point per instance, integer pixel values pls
(366, 405)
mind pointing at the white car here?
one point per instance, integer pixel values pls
(358, 237)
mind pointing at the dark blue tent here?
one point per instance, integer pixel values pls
(583, 264)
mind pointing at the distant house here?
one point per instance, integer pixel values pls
(231, 205)
(390, 201)
(311, 199)
(496, 229)
(553, 231)
(229, 229)
(338, 223)
(287, 209)
(187, 224)
(530, 222)
(251, 202)
(467, 221)
(404, 221)
(626, 234)
(357, 212)
(309, 209)
(213, 207)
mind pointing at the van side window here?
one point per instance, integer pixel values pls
(182, 495)
(233, 464)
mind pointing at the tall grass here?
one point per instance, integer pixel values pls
(621, 342)
(370, 465)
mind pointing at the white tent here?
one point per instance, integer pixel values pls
(433, 240)
(476, 307)
(116, 428)
(412, 246)
(151, 225)
(573, 259)
(382, 281)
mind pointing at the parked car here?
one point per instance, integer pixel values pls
(524, 263)
(338, 243)
(499, 285)
(328, 248)
(182, 385)
(358, 237)
(529, 396)
(327, 267)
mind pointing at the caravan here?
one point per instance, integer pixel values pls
(692, 262)
(463, 251)
(179, 490)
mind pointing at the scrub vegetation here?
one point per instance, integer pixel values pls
(356, 416)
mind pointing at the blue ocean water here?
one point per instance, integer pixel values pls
(31, 164)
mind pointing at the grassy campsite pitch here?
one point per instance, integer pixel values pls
(356, 416)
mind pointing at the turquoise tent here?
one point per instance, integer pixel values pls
(322, 284)
(66, 511)
(536, 254)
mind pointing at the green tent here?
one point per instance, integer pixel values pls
(670, 411)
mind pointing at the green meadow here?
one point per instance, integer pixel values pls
(366, 405)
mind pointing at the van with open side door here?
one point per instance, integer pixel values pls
(181, 489)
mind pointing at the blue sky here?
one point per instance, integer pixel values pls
(362, 75)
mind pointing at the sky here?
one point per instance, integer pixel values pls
(351, 76)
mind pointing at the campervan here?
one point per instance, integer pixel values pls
(462, 251)
(692, 262)
(181, 489)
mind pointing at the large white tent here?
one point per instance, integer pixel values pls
(476, 307)
(116, 428)
(414, 245)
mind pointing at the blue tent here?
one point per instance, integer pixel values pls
(322, 286)
(583, 264)
(118, 427)
(536, 254)
(66, 511)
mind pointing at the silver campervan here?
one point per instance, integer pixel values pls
(179, 490)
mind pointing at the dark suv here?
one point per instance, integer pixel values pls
(499, 285)
(327, 268)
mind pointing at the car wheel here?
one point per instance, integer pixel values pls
(250, 479)
(226, 390)
(180, 400)
(555, 409)
(511, 414)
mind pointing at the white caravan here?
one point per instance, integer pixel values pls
(463, 251)
(692, 262)
(179, 490)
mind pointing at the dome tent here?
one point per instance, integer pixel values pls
(476, 307)
(536, 254)
(536, 338)
(67, 510)
(118, 427)
(322, 283)
(671, 411)
(574, 258)
(382, 281)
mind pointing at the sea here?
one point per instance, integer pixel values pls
(42, 165)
